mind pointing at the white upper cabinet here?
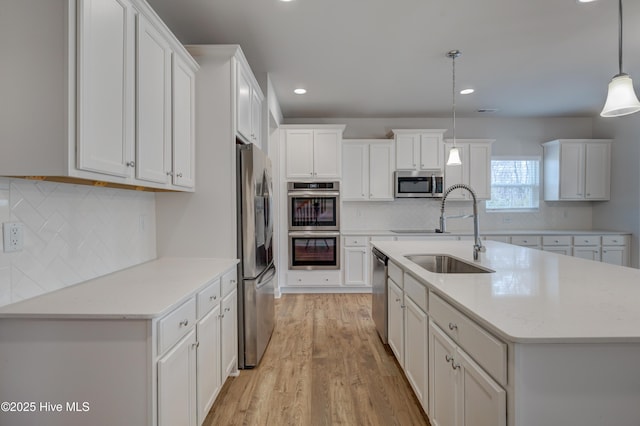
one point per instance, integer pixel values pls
(108, 75)
(249, 100)
(367, 172)
(577, 169)
(184, 140)
(153, 147)
(313, 152)
(474, 171)
(105, 86)
(419, 149)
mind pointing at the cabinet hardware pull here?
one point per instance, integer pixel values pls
(169, 173)
(227, 309)
(195, 345)
(448, 358)
(233, 281)
(221, 316)
(179, 174)
(403, 306)
(213, 297)
(131, 164)
(453, 326)
(397, 300)
(184, 323)
(454, 365)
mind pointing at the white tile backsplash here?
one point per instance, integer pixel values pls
(72, 233)
(425, 214)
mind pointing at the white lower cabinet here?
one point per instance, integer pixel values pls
(356, 261)
(177, 384)
(416, 353)
(460, 392)
(229, 314)
(395, 314)
(209, 361)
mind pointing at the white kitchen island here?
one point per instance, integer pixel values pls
(545, 340)
(149, 345)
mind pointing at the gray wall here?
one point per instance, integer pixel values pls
(623, 211)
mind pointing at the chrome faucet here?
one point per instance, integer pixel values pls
(477, 245)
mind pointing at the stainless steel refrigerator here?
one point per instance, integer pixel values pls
(256, 315)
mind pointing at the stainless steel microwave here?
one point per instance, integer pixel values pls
(418, 184)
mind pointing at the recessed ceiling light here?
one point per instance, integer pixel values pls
(287, 1)
(466, 91)
(579, 1)
(488, 110)
(299, 91)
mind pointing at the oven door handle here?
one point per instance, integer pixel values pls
(312, 194)
(318, 234)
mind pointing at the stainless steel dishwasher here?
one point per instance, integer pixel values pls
(379, 292)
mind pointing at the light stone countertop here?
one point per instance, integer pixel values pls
(383, 232)
(534, 296)
(144, 291)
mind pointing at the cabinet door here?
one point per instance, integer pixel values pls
(482, 401)
(442, 378)
(229, 313)
(416, 351)
(590, 253)
(407, 151)
(327, 147)
(479, 165)
(183, 125)
(105, 111)
(381, 172)
(597, 173)
(431, 151)
(356, 263)
(457, 174)
(615, 255)
(572, 171)
(177, 384)
(208, 361)
(256, 118)
(243, 103)
(567, 251)
(299, 153)
(153, 142)
(395, 321)
(355, 173)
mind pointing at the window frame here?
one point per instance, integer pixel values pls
(537, 158)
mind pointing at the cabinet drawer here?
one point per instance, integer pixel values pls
(416, 291)
(526, 240)
(313, 278)
(229, 281)
(556, 240)
(356, 241)
(395, 273)
(208, 298)
(613, 240)
(586, 240)
(176, 324)
(488, 351)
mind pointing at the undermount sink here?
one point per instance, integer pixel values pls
(416, 231)
(444, 264)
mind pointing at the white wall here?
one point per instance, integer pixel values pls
(623, 211)
(513, 136)
(72, 233)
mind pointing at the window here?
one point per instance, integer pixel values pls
(515, 184)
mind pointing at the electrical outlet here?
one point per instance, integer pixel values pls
(13, 236)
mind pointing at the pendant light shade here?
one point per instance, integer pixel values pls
(454, 152)
(454, 157)
(621, 98)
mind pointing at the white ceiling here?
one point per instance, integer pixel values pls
(387, 58)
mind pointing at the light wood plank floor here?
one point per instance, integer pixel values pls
(325, 365)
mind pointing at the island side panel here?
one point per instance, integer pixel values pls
(97, 369)
(581, 384)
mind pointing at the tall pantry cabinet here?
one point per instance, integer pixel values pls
(106, 94)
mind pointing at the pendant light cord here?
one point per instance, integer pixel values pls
(454, 98)
(620, 38)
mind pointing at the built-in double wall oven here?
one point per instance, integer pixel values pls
(314, 225)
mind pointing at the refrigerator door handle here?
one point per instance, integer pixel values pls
(266, 277)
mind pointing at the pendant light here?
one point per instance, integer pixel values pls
(621, 98)
(454, 153)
